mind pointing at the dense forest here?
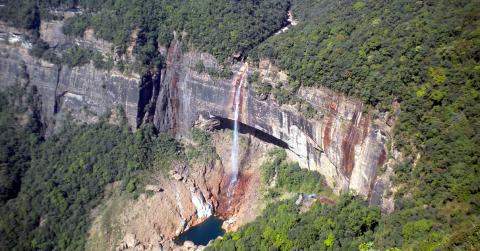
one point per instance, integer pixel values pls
(20, 130)
(347, 225)
(223, 28)
(424, 55)
(48, 186)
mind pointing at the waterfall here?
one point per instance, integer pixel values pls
(234, 154)
(236, 106)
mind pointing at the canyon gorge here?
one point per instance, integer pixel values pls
(348, 143)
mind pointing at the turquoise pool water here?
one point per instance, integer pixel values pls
(203, 233)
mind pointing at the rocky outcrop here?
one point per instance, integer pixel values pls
(185, 196)
(51, 32)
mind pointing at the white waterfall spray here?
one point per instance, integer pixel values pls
(204, 209)
(234, 154)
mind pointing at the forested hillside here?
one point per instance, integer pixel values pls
(20, 130)
(223, 28)
(424, 55)
(344, 226)
(49, 186)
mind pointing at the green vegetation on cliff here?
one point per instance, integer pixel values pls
(64, 176)
(343, 226)
(28, 14)
(22, 14)
(223, 28)
(425, 55)
(19, 132)
(289, 177)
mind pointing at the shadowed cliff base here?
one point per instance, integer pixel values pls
(226, 123)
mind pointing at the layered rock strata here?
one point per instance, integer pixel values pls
(344, 141)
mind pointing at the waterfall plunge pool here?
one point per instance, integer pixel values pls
(201, 234)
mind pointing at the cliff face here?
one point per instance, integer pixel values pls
(343, 142)
(81, 93)
(51, 32)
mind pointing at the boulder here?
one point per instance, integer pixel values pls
(299, 200)
(154, 188)
(207, 124)
(177, 176)
(130, 240)
(189, 244)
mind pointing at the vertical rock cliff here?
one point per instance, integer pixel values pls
(83, 92)
(345, 141)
